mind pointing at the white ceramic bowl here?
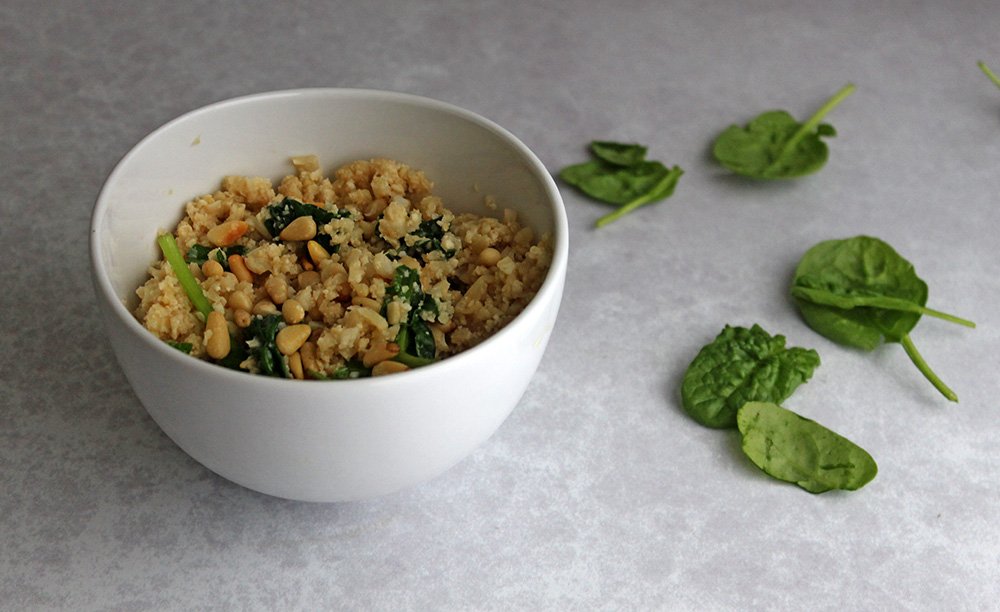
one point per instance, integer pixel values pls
(312, 440)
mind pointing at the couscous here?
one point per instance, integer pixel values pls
(364, 273)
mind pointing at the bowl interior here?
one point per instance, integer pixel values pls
(467, 157)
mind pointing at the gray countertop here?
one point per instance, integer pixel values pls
(598, 493)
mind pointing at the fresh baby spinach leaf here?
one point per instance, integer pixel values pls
(989, 73)
(621, 175)
(858, 291)
(617, 153)
(776, 146)
(795, 449)
(739, 366)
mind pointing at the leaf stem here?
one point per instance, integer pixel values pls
(810, 125)
(172, 254)
(925, 369)
(885, 302)
(986, 70)
(652, 195)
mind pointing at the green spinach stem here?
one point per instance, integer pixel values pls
(986, 70)
(925, 369)
(810, 125)
(652, 195)
(172, 254)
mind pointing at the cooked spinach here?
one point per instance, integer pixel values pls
(200, 253)
(739, 366)
(989, 73)
(280, 214)
(415, 340)
(172, 254)
(795, 449)
(776, 146)
(620, 174)
(426, 239)
(184, 347)
(260, 342)
(858, 291)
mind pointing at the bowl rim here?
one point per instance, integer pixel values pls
(554, 277)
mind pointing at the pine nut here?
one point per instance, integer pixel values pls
(212, 268)
(316, 252)
(264, 307)
(292, 311)
(388, 367)
(302, 228)
(227, 233)
(277, 289)
(379, 352)
(295, 365)
(239, 300)
(217, 344)
(238, 266)
(307, 352)
(242, 317)
(291, 338)
(489, 256)
(394, 312)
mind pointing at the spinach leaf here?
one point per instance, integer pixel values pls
(352, 368)
(618, 153)
(280, 214)
(621, 175)
(260, 339)
(172, 253)
(428, 237)
(795, 449)
(989, 73)
(199, 254)
(184, 347)
(415, 340)
(858, 291)
(739, 366)
(775, 146)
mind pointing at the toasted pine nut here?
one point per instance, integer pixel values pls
(389, 367)
(316, 252)
(409, 262)
(394, 312)
(264, 307)
(227, 233)
(309, 277)
(292, 311)
(277, 289)
(307, 352)
(217, 344)
(295, 365)
(291, 338)
(366, 302)
(242, 317)
(302, 228)
(239, 267)
(489, 256)
(239, 300)
(379, 352)
(212, 268)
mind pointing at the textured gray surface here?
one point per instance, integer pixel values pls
(598, 493)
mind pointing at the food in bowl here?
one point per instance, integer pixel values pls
(364, 274)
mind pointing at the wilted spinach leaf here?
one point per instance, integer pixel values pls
(795, 449)
(199, 254)
(260, 339)
(415, 340)
(428, 237)
(858, 291)
(280, 214)
(776, 146)
(739, 366)
(621, 175)
(184, 347)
